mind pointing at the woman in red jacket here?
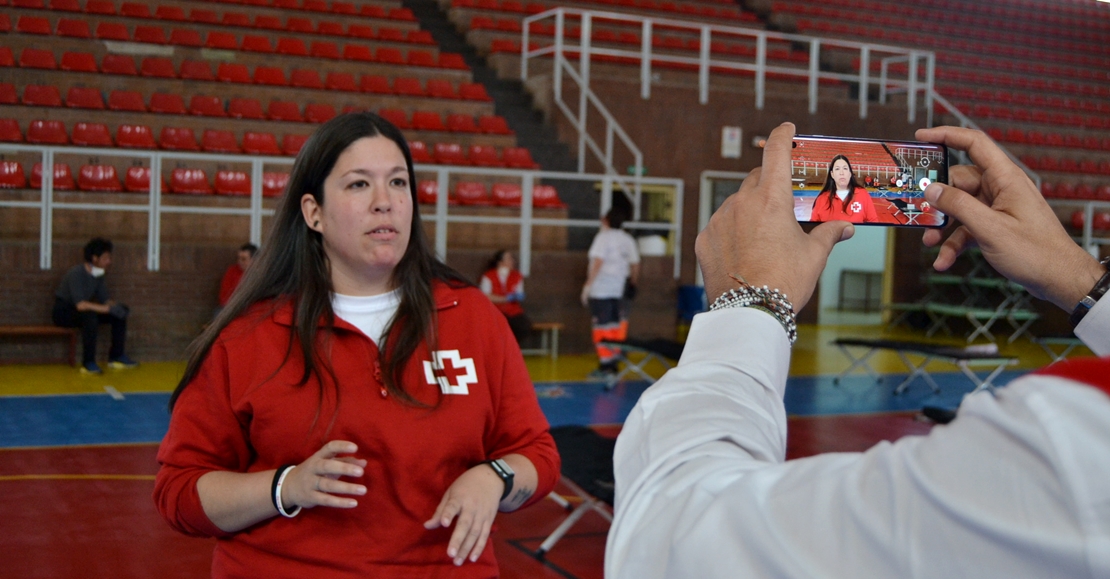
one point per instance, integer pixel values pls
(843, 198)
(504, 286)
(357, 409)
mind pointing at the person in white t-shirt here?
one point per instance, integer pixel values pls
(614, 264)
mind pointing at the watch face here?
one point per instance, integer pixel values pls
(502, 465)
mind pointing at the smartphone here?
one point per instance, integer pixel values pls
(866, 181)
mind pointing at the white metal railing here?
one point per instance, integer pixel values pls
(152, 202)
(1087, 238)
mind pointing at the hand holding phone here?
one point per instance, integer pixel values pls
(866, 181)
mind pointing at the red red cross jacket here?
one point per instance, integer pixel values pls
(244, 413)
(510, 309)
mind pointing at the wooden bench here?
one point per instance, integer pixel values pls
(32, 332)
(962, 358)
(549, 340)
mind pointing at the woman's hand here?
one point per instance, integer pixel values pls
(473, 498)
(315, 482)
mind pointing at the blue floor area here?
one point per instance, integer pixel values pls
(99, 419)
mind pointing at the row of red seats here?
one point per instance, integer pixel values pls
(105, 178)
(156, 34)
(1066, 165)
(731, 12)
(474, 193)
(476, 155)
(1075, 191)
(1035, 99)
(1000, 72)
(1038, 116)
(53, 132)
(1071, 141)
(163, 67)
(175, 13)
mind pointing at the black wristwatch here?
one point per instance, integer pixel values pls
(506, 473)
(1092, 298)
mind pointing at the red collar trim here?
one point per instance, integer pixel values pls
(1092, 371)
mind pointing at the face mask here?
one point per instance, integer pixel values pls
(96, 271)
(502, 271)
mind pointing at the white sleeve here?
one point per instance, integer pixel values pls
(485, 285)
(1016, 487)
(1094, 330)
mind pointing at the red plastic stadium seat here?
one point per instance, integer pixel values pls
(427, 121)
(376, 84)
(190, 182)
(270, 76)
(134, 10)
(8, 94)
(427, 192)
(1084, 191)
(268, 22)
(135, 137)
(178, 139)
(472, 193)
(41, 95)
(201, 16)
(126, 100)
(484, 156)
(284, 111)
(343, 81)
(167, 103)
(157, 67)
(419, 37)
(233, 72)
(73, 28)
(390, 34)
(291, 47)
(47, 133)
(343, 8)
(318, 113)
(401, 14)
(328, 28)
(372, 11)
(273, 184)
(37, 58)
(395, 116)
(546, 196)
(420, 58)
(91, 135)
(507, 194)
(9, 131)
(221, 40)
(32, 25)
(449, 154)
(299, 25)
(407, 86)
(519, 158)
(64, 5)
(208, 106)
(256, 43)
(452, 60)
(419, 152)
(150, 34)
(6, 58)
(99, 178)
(357, 53)
(232, 183)
(291, 144)
(321, 49)
(473, 91)
(388, 55)
(260, 144)
(84, 98)
(112, 31)
(137, 180)
(235, 19)
(118, 64)
(243, 108)
(186, 37)
(78, 62)
(12, 175)
(315, 6)
(459, 123)
(359, 31)
(172, 13)
(440, 88)
(196, 70)
(305, 78)
(494, 125)
(63, 177)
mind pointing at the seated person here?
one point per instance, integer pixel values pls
(504, 286)
(235, 272)
(843, 198)
(81, 301)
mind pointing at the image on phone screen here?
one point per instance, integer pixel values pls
(866, 181)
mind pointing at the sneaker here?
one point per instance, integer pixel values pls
(122, 363)
(90, 368)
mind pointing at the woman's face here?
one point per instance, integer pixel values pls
(366, 217)
(507, 260)
(841, 174)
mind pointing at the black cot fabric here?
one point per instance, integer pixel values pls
(587, 459)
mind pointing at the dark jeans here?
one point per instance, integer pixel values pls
(521, 327)
(67, 316)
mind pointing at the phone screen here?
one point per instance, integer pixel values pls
(866, 181)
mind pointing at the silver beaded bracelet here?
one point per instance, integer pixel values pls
(763, 298)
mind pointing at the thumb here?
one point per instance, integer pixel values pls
(830, 233)
(959, 205)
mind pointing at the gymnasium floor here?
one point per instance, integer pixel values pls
(77, 456)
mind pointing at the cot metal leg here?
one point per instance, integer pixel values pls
(860, 362)
(588, 503)
(915, 371)
(982, 329)
(986, 383)
(1019, 330)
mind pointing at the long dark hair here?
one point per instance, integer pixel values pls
(292, 268)
(830, 185)
(495, 260)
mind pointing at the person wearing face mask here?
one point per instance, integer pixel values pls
(504, 286)
(81, 301)
(843, 198)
